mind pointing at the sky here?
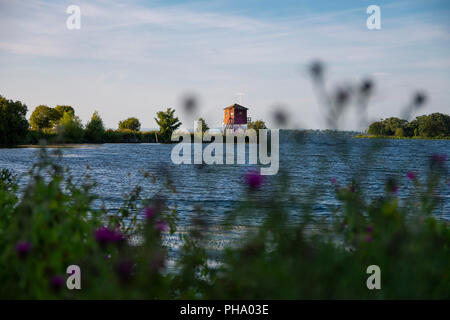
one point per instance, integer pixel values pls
(134, 58)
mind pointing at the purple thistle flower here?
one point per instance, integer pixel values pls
(23, 248)
(368, 239)
(369, 229)
(105, 236)
(253, 179)
(334, 181)
(411, 175)
(148, 212)
(161, 225)
(395, 189)
(56, 282)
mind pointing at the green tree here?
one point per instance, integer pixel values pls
(44, 117)
(376, 128)
(434, 125)
(61, 109)
(71, 128)
(13, 124)
(411, 129)
(430, 126)
(205, 126)
(392, 124)
(168, 123)
(132, 124)
(256, 125)
(399, 132)
(95, 128)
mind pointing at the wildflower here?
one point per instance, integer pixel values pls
(334, 181)
(353, 186)
(369, 229)
(368, 239)
(148, 212)
(23, 248)
(342, 96)
(411, 175)
(254, 180)
(366, 87)
(280, 117)
(316, 70)
(105, 236)
(190, 103)
(56, 282)
(391, 185)
(419, 98)
(161, 225)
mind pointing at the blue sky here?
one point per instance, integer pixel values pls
(133, 58)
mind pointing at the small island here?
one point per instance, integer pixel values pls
(433, 126)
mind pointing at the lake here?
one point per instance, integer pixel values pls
(308, 158)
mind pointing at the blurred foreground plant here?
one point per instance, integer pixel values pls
(53, 225)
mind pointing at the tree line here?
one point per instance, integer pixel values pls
(435, 125)
(61, 125)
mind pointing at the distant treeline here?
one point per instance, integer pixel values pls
(61, 125)
(435, 125)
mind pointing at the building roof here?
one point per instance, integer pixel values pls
(236, 106)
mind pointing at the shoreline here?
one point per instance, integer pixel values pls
(363, 136)
(61, 145)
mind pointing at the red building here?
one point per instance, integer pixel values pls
(235, 117)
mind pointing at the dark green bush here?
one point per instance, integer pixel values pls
(128, 136)
(435, 125)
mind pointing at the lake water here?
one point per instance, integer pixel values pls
(308, 158)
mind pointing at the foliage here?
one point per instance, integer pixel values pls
(44, 117)
(256, 125)
(53, 225)
(132, 124)
(60, 125)
(205, 126)
(71, 128)
(95, 128)
(13, 124)
(128, 136)
(168, 123)
(36, 136)
(435, 125)
(61, 109)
